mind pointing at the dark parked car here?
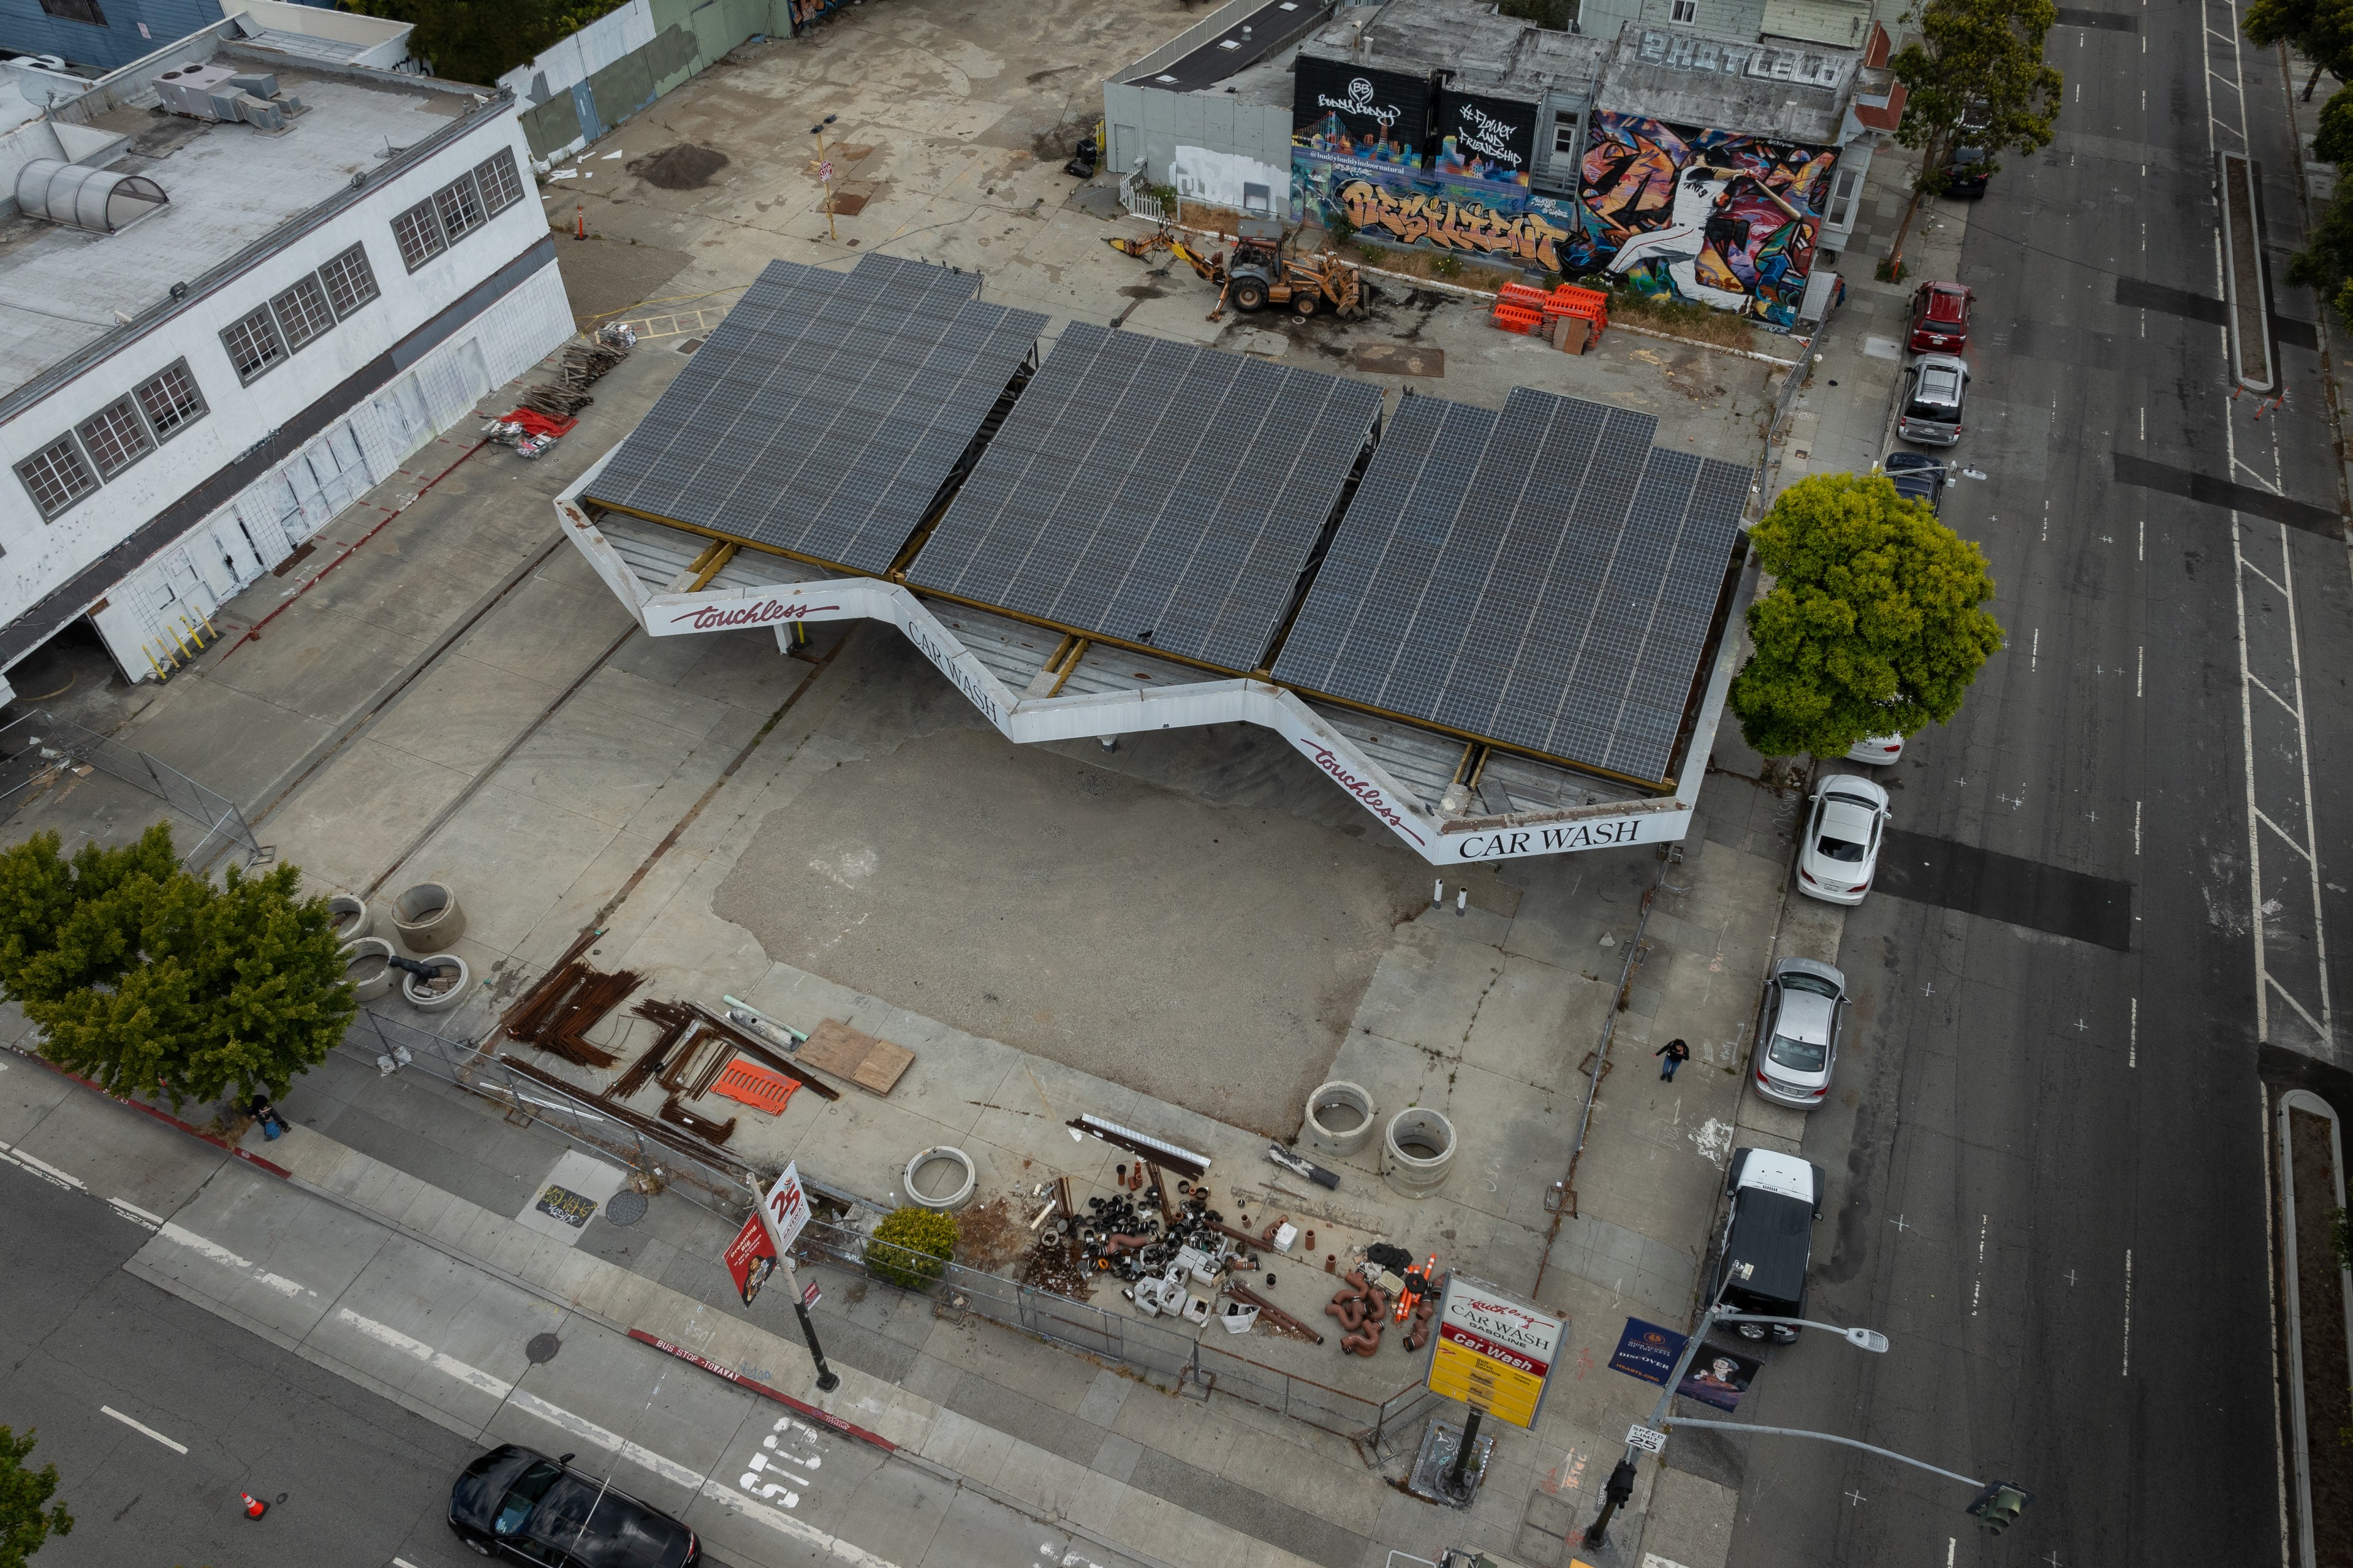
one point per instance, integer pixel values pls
(1918, 477)
(1966, 172)
(528, 1507)
(1769, 1239)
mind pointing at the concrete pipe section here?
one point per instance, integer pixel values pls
(1417, 1151)
(427, 916)
(940, 1178)
(367, 965)
(1340, 1118)
(352, 918)
(444, 991)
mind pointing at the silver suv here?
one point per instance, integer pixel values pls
(1932, 409)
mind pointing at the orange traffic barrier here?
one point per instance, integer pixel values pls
(748, 1083)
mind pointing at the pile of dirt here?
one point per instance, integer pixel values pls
(988, 1237)
(685, 167)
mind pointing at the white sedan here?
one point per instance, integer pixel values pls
(1841, 851)
(1880, 750)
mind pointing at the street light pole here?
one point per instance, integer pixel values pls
(827, 1379)
(1620, 1485)
(1827, 1437)
(823, 176)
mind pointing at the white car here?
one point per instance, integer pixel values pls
(1880, 750)
(1841, 851)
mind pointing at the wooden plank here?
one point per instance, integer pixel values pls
(885, 1064)
(873, 1065)
(833, 1046)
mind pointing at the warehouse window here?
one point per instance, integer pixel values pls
(501, 188)
(171, 401)
(115, 437)
(57, 475)
(418, 233)
(76, 10)
(254, 346)
(302, 312)
(349, 280)
(460, 206)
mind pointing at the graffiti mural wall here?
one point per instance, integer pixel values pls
(1710, 216)
(1477, 217)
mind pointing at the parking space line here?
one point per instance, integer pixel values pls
(41, 1168)
(142, 1427)
(213, 1252)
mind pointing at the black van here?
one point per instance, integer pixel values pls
(1769, 1239)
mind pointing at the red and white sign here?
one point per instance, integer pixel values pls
(824, 170)
(788, 1207)
(752, 1256)
(811, 1295)
(750, 1259)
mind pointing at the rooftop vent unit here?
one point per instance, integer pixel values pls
(81, 197)
(217, 92)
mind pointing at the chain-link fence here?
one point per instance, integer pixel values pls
(713, 1182)
(1162, 1353)
(39, 743)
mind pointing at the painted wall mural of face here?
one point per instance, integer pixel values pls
(1710, 216)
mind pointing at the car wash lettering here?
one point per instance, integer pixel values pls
(1551, 841)
(1369, 794)
(974, 690)
(1414, 218)
(713, 618)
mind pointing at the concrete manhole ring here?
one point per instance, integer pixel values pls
(625, 1207)
(941, 1177)
(540, 1349)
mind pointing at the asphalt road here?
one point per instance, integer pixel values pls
(2046, 1158)
(352, 1478)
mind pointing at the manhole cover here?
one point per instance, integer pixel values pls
(542, 1348)
(625, 1207)
(689, 346)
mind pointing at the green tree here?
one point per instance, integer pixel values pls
(476, 41)
(2325, 264)
(1974, 78)
(143, 975)
(2320, 30)
(1871, 626)
(2333, 141)
(28, 1518)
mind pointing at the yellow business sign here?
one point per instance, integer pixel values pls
(1493, 1352)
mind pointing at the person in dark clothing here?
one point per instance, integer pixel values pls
(1677, 1053)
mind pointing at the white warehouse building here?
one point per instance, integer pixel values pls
(238, 287)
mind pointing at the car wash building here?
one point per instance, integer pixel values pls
(1501, 632)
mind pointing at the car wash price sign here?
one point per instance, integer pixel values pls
(1493, 1352)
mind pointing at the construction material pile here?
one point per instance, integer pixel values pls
(581, 365)
(572, 999)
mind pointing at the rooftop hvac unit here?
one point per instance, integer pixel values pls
(80, 197)
(199, 90)
(260, 112)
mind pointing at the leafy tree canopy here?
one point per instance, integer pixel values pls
(143, 975)
(28, 1518)
(1975, 78)
(2320, 30)
(477, 41)
(1873, 626)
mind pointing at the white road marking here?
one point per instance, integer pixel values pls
(216, 1253)
(136, 1215)
(2135, 827)
(798, 1530)
(2128, 1312)
(2132, 1047)
(2140, 669)
(143, 1428)
(402, 1562)
(41, 1168)
(386, 1335)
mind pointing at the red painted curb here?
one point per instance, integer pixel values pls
(740, 1381)
(165, 1117)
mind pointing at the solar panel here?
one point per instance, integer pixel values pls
(1155, 492)
(824, 413)
(1542, 577)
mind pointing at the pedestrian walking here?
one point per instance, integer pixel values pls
(1677, 1053)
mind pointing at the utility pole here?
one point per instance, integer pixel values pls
(825, 176)
(827, 1379)
(1620, 1485)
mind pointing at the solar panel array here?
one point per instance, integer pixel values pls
(1154, 492)
(1544, 578)
(824, 413)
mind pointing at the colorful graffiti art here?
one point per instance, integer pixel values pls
(1710, 216)
(1488, 217)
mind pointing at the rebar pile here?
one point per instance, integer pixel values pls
(564, 1006)
(586, 364)
(555, 402)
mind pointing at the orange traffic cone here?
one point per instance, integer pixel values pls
(254, 1507)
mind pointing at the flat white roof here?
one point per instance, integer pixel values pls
(230, 184)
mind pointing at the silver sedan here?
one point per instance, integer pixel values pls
(1797, 1028)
